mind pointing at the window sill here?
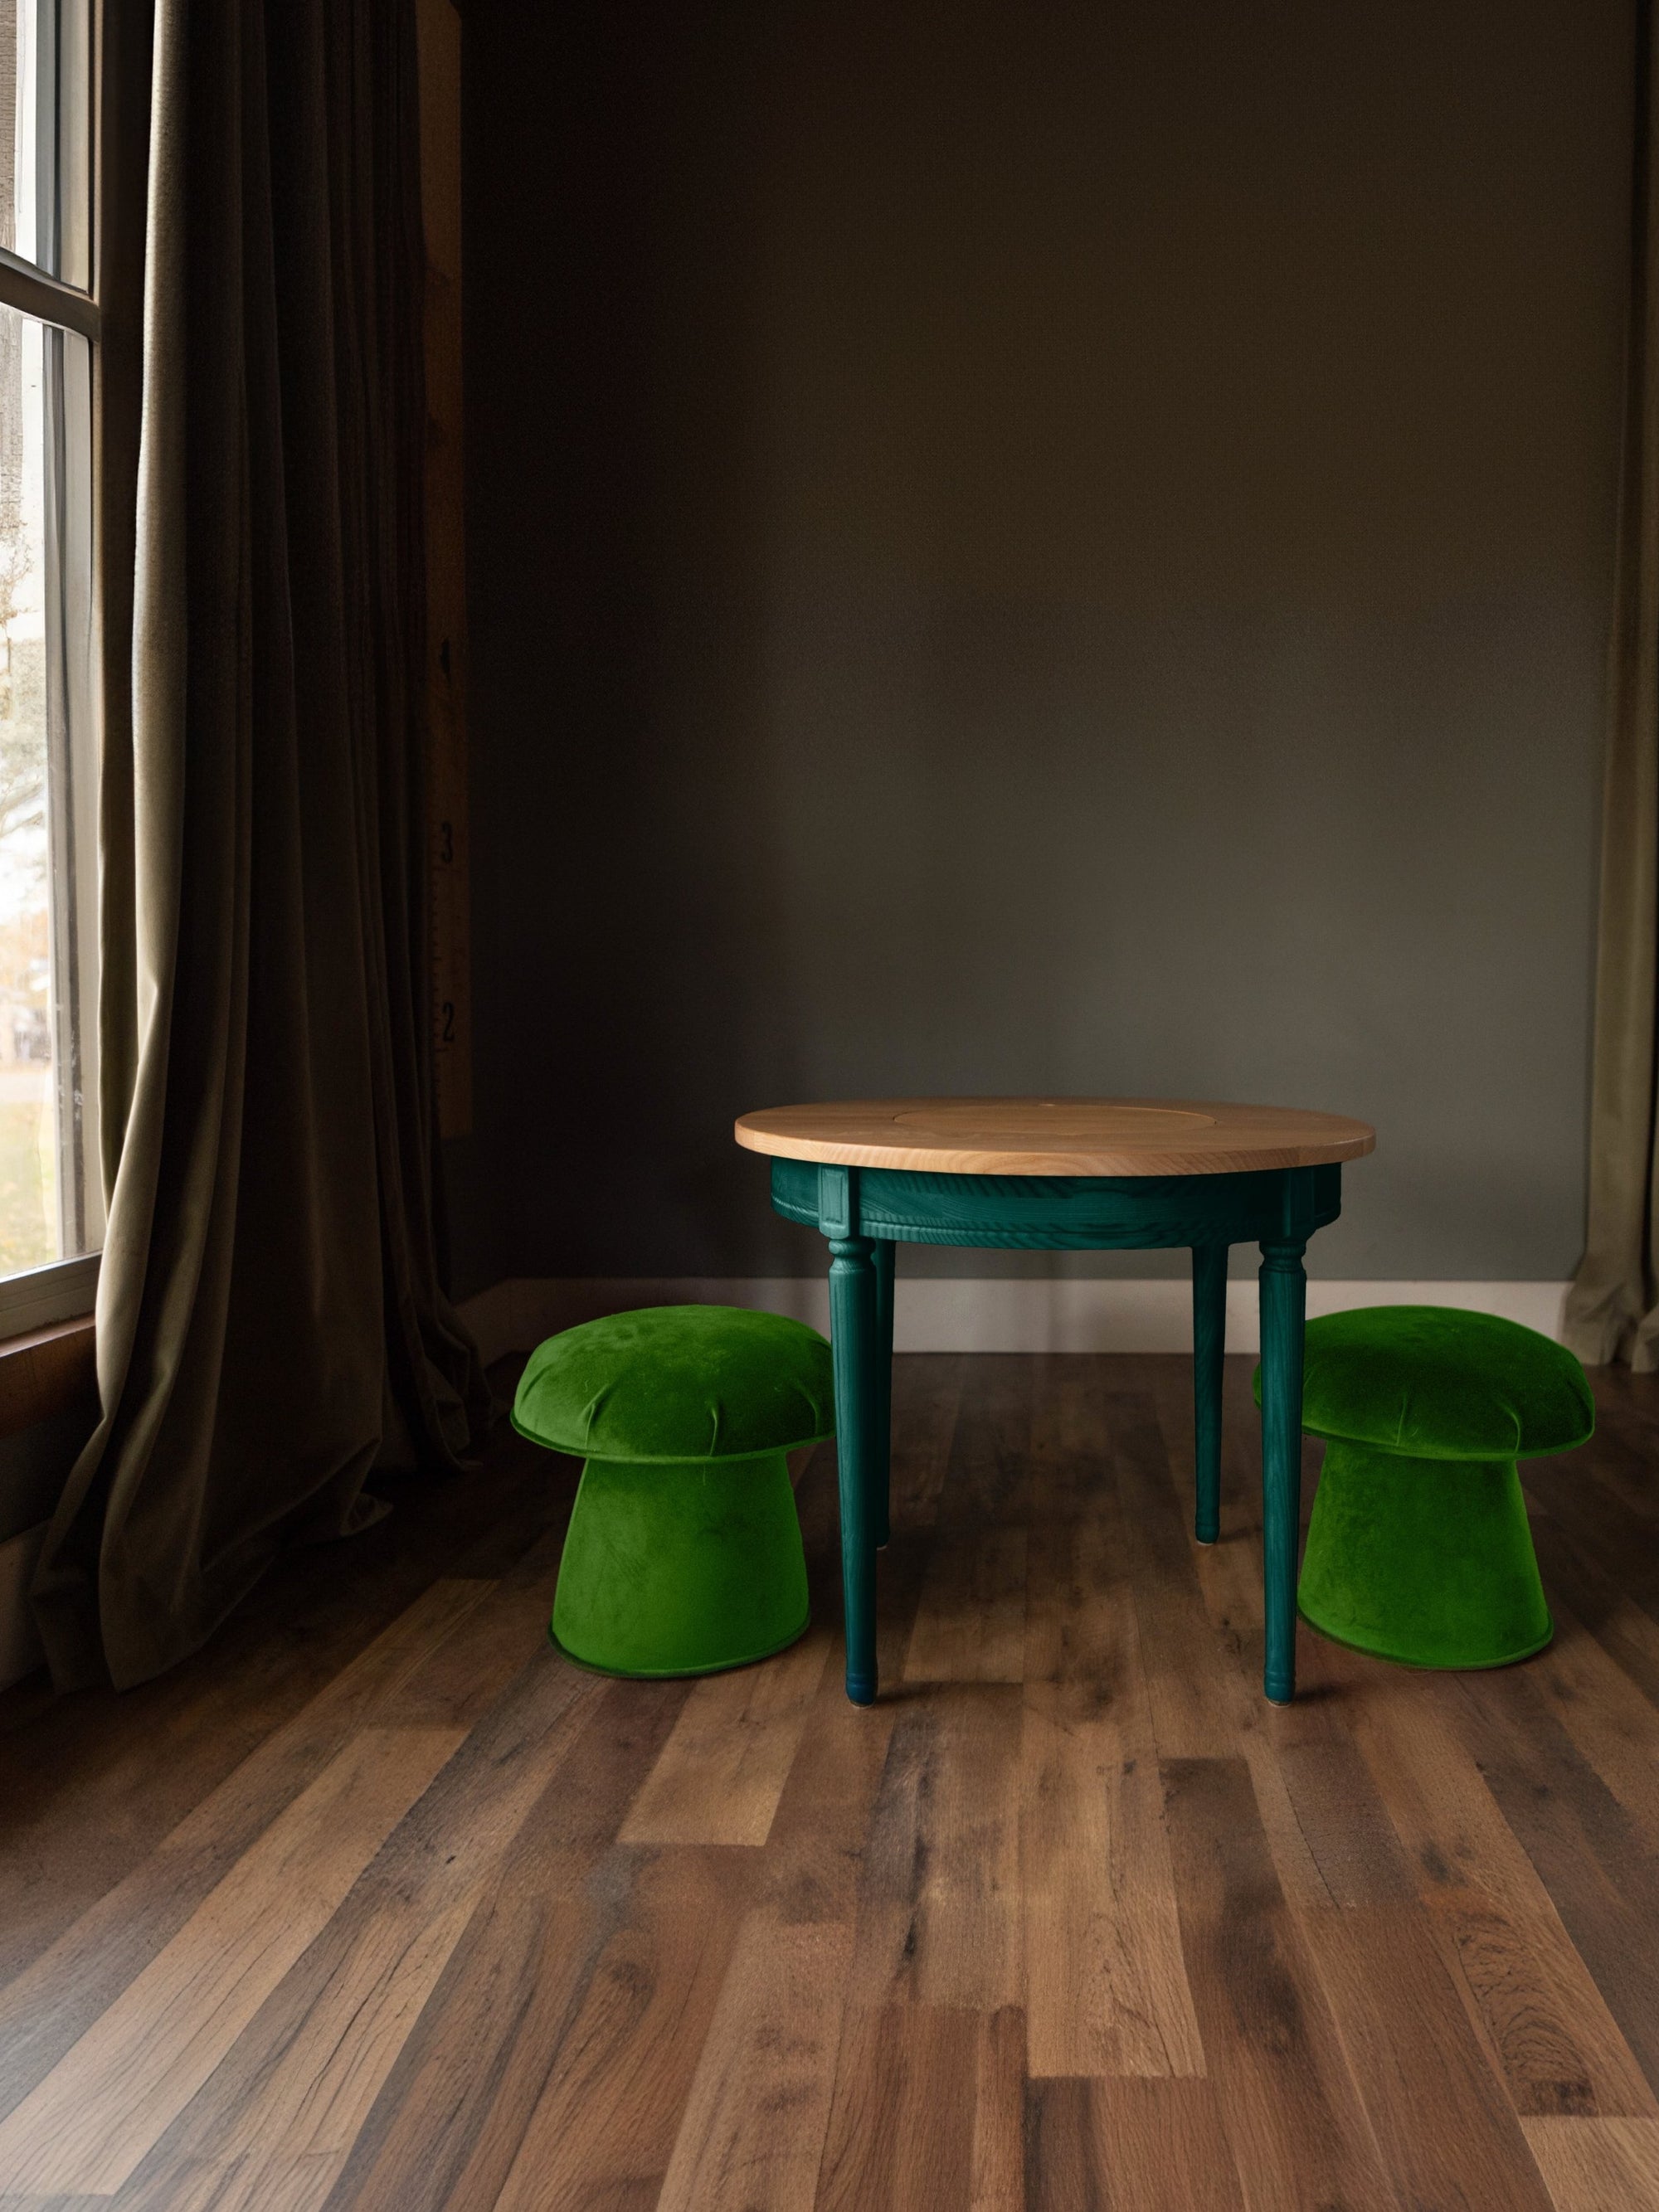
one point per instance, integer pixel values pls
(45, 1372)
(65, 1291)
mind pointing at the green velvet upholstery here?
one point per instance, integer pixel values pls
(1417, 1560)
(678, 1383)
(681, 1568)
(683, 1555)
(1442, 1384)
(1418, 1546)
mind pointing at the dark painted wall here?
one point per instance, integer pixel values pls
(1057, 548)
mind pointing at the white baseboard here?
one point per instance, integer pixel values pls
(995, 1314)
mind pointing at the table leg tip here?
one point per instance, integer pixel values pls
(1281, 1697)
(1205, 1540)
(860, 1691)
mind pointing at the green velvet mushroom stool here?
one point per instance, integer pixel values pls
(683, 1555)
(1418, 1549)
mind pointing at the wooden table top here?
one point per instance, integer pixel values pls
(1056, 1136)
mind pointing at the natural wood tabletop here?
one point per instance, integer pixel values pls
(1056, 1136)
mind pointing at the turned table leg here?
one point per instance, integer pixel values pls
(1209, 1344)
(883, 1253)
(1283, 1306)
(853, 1342)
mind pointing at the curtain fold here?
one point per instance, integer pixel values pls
(271, 1324)
(1613, 1306)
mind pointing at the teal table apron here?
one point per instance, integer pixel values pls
(864, 1212)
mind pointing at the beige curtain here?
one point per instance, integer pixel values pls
(1613, 1308)
(269, 1320)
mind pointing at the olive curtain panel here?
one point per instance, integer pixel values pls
(1613, 1307)
(271, 1326)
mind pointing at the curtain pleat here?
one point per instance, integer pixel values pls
(271, 1324)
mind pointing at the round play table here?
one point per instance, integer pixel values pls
(1063, 1175)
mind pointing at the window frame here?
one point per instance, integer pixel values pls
(64, 1290)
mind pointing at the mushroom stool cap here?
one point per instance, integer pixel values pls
(671, 1383)
(1437, 1382)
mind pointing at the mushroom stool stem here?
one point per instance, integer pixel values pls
(681, 1567)
(1425, 1561)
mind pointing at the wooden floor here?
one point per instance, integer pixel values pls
(381, 1905)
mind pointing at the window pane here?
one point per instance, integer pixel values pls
(45, 198)
(48, 1206)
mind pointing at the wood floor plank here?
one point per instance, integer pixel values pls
(1446, 2131)
(988, 1478)
(1628, 1635)
(1068, 1442)
(1106, 1988)
(815, 1852)
(96, 1781)
(454, 2109)
(1600, 1870)
(285, 2141)
(278, 2118)
(1106, 1981)
(87, 2124)
(1560, 2050)
(1229, 1575)
(927, 1403)
(970, 1622)
(602, 2130)
(1300, 2139)
(462, 1676)
(47, 2007)
(753, 2128)
(1129, 2146)
(901, 2129)
(1432, 2088)
(938, 1916)
(10, 2202)
(1195, 1690)
(721, 1773)
(1598, 2165)
(901, 1571)
(927, 1393)
(1602, 1526)
(997, 2178)
(1606, 1714)
(1620, 1457)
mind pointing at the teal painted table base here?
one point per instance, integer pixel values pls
(863, 1212)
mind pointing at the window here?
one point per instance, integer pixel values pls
(51, 1200)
